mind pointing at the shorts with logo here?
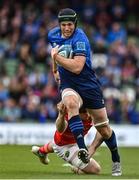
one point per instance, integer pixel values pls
(92, 98)
(70, 154)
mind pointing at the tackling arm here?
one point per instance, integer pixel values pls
(61, 124)
(95, 144)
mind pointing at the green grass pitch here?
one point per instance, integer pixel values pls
(17, 162)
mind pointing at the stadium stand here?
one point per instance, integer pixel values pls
(28, 91)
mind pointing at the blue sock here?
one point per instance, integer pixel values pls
(112, 145)
(76, 127)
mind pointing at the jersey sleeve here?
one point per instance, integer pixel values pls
(79, 46)
(53, 36)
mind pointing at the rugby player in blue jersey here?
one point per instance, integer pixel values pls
(71, 55)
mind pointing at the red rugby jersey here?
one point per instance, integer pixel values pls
(67, 137)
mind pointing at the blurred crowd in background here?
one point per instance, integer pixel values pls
(28, 91)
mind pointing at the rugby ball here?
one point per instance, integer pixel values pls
(65, 51)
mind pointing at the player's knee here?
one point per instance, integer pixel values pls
(92, 168)
(95, 169)
(72, 105)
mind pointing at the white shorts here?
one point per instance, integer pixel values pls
(70, 154)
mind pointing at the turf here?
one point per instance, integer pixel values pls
(17, 162)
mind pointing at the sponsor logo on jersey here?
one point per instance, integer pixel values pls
(80, 45)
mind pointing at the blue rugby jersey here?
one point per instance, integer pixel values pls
(85, 83)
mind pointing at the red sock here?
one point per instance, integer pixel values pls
(44, 149)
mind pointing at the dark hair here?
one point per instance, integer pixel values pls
(67, 14)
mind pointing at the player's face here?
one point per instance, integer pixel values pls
(67, 28)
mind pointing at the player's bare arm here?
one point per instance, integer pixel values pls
(74, 65)
(56, 76)
(54, 66)
(55, 71)
(61, 123)
(95, 144)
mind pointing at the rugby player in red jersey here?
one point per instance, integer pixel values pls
(65, 146)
